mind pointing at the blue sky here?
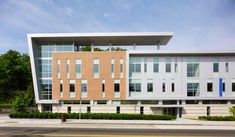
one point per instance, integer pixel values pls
(197, 24)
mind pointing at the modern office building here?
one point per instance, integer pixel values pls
(181, 83)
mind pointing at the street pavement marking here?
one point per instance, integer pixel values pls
(90, 135)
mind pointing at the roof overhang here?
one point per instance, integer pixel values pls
(104, 39)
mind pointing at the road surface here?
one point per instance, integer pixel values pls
(92, 132)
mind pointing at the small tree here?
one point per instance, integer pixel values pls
(23, 101)
(232, 110)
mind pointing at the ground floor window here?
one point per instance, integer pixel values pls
(141, 110)
(69, 109)
(118, 110)
(46, 108)
(208, 111)
(88, 109)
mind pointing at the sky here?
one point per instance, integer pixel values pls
(196, 24)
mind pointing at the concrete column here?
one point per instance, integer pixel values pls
(110, 47)
(92, 47)
(160, 102)
(134, 46)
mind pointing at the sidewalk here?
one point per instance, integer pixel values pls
(5, 121)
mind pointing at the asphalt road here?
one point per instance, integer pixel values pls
(85, 132)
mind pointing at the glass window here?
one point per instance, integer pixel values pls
(150, 87)
(223, 86)
(72, 87)
(155, 67)
(168, 67)
(176, 67)
(173, 87)
(193, 89)
(112, 68)
(209, 87)
(145, 64)
(61, 87)
(96, 68)
(84, 87)
(215, 67)
(233, 87)
(193, 70)
(135, 86)
(226, 67)
(163, 87)
(118, 110)
(103, 87)
(121, 65)
(116, 87)
(78, 67)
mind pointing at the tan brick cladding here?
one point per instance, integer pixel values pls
(94, 85)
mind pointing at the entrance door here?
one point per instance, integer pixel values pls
(170, 111)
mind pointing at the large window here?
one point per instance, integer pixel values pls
(193, 70)
(155, 65)
(193, 89)
(135, 86)
(215, 67)
(209, 86)
(44, 73)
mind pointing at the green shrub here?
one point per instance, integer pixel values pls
(113, 116)
(217, 118)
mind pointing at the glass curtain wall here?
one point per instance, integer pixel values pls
(44, 62)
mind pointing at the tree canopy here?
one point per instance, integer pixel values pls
(15, 74)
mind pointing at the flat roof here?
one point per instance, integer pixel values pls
(181, 53)
(104, 39)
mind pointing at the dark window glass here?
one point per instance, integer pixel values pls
(163, 87)
(209, 87)
(138, 67)
(141, 110)
(88, 109)
(173, 87)
(208, 111)
(233, 87)
(150, 87)
(138, 87)
(103, 87)
(118, 110)
(72, 88)
(69, 109)
(176, 68)
(131, 87)
(61, 87)
(192, 102)
(223, 86)
(215, 67)
(116, 87)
